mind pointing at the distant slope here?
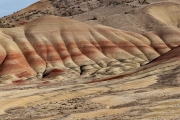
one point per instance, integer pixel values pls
(134, 16)
(167, 13)
(62, 8)
(130, 15)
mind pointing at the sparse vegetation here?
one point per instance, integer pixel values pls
(94, 18)
(143, 2)
(62, 8)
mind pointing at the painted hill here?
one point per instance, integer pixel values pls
(76, 68)
(51, 45)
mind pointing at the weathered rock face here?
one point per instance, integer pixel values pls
(54, 44)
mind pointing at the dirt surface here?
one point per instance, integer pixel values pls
(139, 96)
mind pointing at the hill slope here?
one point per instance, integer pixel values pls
(130, 15)
(51, 45)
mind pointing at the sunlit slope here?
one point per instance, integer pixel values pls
(167, 13)
(56, 44)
